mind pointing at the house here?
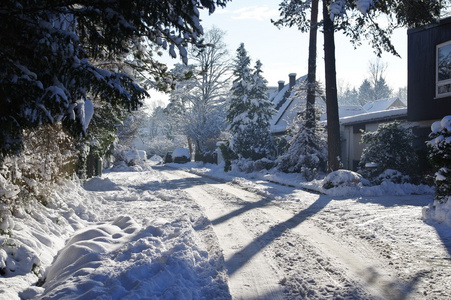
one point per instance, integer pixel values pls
(288, 106)
(428, 94)
(372, 115)
(351, 128)
(384, 104)
(429, 76)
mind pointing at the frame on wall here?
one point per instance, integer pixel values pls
(443, 70)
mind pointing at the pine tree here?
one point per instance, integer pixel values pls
(261, 107)
(366, 92)
(307, 151)
(249, 111)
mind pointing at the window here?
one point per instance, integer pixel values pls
(443, 87)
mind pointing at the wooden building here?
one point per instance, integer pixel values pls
(429, 77)
(429, 71)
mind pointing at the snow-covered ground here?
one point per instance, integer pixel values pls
(158, 232)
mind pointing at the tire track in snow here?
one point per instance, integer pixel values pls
(251, 275)
(311, 258)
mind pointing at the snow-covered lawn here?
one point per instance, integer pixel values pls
(156, 232)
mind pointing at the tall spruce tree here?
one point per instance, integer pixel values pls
(249, 111)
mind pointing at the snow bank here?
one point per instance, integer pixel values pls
(124, 260)
(340, 183)
(438, 212)
(86, 245)
(38, 232)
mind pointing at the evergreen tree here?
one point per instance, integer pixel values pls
(381, 89)
(349, 97)
(307, 151)
(366, 92)
(440, 156)
(48, 51)
(390, 147)
(249, 111)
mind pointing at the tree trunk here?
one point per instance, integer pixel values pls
(333, 122)
(311, 75)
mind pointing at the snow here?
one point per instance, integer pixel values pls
(134, 157)
(383, 104)
(157, 232)
(180, 152)
(375, 116)
(85, 111)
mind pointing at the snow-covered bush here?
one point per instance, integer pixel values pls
(440, 155)
(48, 156)
(392, 176)
(249, 165)
(389, 147)
(342, 178)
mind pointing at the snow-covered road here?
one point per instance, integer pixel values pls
(159, 232)
(283, 240)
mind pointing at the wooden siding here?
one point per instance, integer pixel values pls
(421, 72)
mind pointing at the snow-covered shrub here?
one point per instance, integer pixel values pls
(440, 155)
(342, 178)
(249, 165)
(48, 156)
(307, 152)
(389, 147)
(392, 176)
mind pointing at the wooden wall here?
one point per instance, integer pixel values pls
(421, 68)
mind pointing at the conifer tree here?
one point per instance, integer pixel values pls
(307, 151)
(249, 111)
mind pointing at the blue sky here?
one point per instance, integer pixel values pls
(284, 51)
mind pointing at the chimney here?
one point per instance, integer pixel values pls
(292, 77)
(281, 84)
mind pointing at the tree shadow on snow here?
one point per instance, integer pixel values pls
(444, 232)
(241, 257)
(404, 200)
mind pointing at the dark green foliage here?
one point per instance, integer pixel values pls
(55, 53)
(440, 156)
(390, 147)
(228, 156)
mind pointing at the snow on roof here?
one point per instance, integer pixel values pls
(289, 111)
(350, 110)
(383, 104)
(374, 116)
(347, 111)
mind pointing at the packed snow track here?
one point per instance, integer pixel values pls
(283, 243)
(164, 232)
